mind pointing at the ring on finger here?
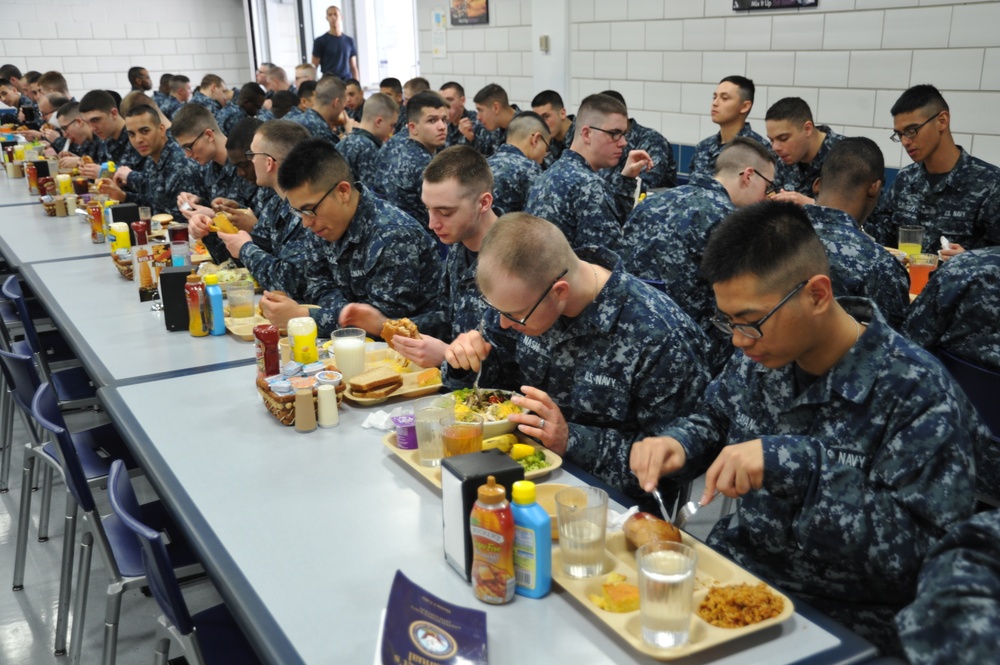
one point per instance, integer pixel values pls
(541, 423)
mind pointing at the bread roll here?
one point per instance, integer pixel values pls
(643, 528)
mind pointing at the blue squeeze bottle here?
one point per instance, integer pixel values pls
(532, 542)
(216, 318)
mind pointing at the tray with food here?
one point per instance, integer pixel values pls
(386, 377)
(492, 404)
(243, 328)
(538, 463)
(729, 602)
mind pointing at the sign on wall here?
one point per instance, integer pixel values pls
(771, 4)
(470, 12)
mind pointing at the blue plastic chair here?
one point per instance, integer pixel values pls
(208, 637)
(119, 551)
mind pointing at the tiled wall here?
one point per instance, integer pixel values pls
(850, 59)
(94, 42)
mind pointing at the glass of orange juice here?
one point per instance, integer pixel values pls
(921, 266)
(462, 433)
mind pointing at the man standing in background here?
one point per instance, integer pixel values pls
(335, 52)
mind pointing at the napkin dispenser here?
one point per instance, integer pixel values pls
(461, 477)
(175, 313)
(42, 168)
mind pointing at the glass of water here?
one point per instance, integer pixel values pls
(666, 592)
(429, 412)
(582, 514)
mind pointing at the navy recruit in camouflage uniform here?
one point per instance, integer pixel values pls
(120, 151)
(863, 470)
(581, 203)
(460, 307)
(954, 618)
(384, 259)
(278, 255)
(169, 105)
(159, 183)
(399, 176)
(480, 135)
(707, 150)
(314, 122)
(513, 175)
(964, 206)
(859, 266)
(799, 177)
(664, 171)
(557, 147)
(361, 149)
(630, 363)
(666, 236)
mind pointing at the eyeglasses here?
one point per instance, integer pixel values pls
(770, 189)
(523, 321)
(69, 124)
(752, 330)
(543, 139)
(911, 132)
(188, 147)
(616, 135)
(249, 154)
(311, 212)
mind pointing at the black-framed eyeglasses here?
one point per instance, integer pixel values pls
(616, 135)
(249, 154)
(311, 212)
(531, 311)
(188, 147)
(911, 132)
(69, 124)
(752, 330)
(770, 189)
(543, 139)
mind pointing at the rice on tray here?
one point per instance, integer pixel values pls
(740, 605)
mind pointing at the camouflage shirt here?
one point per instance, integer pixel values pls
(361, 150)
(707, 150)
(487, 141)
(159, 183)
(399, 176)
(863, 470)
(557, 146)
(201, 99)
(800, 177)
(623, 369)
(460, 308)
(169, 105)
(665, 237)
(314, 122)
(513, 175)
(964, 206)
(384, 259)
(278, 255)
(226, 182)
(581, 203)
(954, 617)
(120, 151)
(664, 171)
(481, 135)
(859, 266)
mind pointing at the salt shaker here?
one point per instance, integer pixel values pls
(305, 412)
(327, 398)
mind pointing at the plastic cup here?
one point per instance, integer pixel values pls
(666, 592)
(240, 295)
(428, 412)
(349, 351)
(461, 433)
(582, 514)
(921, 266)
(911, 239)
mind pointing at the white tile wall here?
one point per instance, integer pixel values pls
(78, 40)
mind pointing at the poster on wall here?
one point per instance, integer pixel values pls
(470, 12)
(771, 4)
(439, 38)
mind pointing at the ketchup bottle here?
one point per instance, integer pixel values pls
(268, 355)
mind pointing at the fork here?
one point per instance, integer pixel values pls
(688, 510)
(479, 373)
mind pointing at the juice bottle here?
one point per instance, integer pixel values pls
(195, 292)
(491, 525)
(215, 320)
(302, 337)
(32, 174)
(96, 214)
(532, 542)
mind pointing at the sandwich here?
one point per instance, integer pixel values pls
(375, 383)
(403, 327)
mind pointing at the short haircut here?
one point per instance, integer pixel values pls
(307, 89)
(135, 110)
(32, 76)
(241, 135)
(746, 87)
(69, 110)
(918, 97)
(306, 67)
(492, 93)
(453, 85)
(116, 97)
(328, 89)
(313, 162)
(165, 81)
(10, 72)
(97, 100)
(55, 81)
(853, 163)
(137, 98)
(594, 108)
(392, 84)
(740, 153)
(56, 100)
(526, 124)
(208, 80)
(280, 136)
(282, 102)
(134, 73)
(191, 120)
(177, 82)
(354, 82)
(252, 91)
(617, 95)
(379, 104)
(792, 109)
(464, 164)
(268, 66)
(278, 74)
(5, 82)
(417, 84)
(524, 245)
(428, 99)
(550, 97)
(771, 240)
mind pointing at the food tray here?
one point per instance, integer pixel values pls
(433, 473)
(713, 570)
(243, 328)
(390, 359)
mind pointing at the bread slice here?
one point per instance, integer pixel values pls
(376, 379)
(385, 391)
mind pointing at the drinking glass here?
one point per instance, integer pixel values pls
(429, 411)
(461, 433)
(582, 514)
(349, 351)
(666, 592)
(911, 239)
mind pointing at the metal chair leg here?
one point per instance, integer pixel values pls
(80, 603)
(6, 435)
(23, 521)
(46, 506)
(162, 653)
(66, 575)
(112, 615)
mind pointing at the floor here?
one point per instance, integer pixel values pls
(27, 617)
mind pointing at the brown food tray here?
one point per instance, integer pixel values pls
(243, 328)
(390, 359)
(713, 570)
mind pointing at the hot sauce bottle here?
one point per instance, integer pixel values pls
(491, 525)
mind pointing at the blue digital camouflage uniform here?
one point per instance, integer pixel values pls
(581, 203)
(201, 99)
(259, 203)
(623, 369)
(160, 97)
(964, 206)
(9, 115)
(355, 114)
(664, 171)
(399, 176)
(120, 151)
(232, 114)
(402, 121)
(169, 105)
(665, 237)
(863, 470)
(513, 175)
(800, 177)
(314, 122)
(707, 150)
(278, 257)
(223, 180)
(93, 148)
(460, 307)
(859, 266)
(486, 141)
(361, 150)
(954, 617)
(159, 183)
(557, 146)
(456, 137)
(384, 259)
(293, 113)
